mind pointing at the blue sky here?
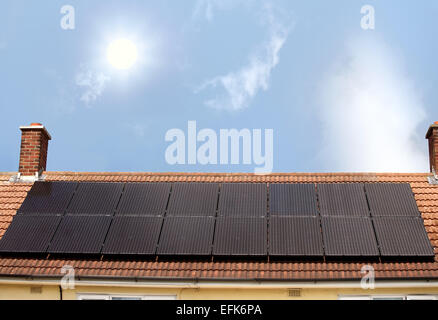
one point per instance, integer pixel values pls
(339, 98)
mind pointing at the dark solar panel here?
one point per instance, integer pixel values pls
(193, 199)
(352, 237)
(240, 237)
(144, 199)
(186, 236)
(289, 199)
(391, 199)
(133, 235)
(342, 199)
(95, 198)
(402, 236)
(48, 198)
(80, 234)
(28, 233)
(295, 236)
(243, 199)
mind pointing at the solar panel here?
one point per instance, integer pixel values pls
(133, 235)
(48, 198)
(402, 236)
(95, 198)
(193, 199)
(342, 199)
(352, 237)
(144, 199)
(186, 236)
(295, 236)
(80, 234)
(240, 237)
(29, 233)
(243, 200)
(391, 199)
(290, 199)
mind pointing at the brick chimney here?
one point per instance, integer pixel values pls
(432, 136)
(33, 150)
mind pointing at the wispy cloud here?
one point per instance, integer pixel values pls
(204, 9)
(240, 87)
(371, 112)
(92, 82)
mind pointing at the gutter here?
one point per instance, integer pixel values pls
(195, 284)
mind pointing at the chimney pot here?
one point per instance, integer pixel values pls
(36, 138)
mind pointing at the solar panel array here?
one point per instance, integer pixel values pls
(299, 221)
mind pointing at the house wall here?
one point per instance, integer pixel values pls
(38, 291)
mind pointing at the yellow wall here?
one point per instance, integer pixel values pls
(51, 291)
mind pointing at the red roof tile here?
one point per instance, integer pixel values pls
(426, 195)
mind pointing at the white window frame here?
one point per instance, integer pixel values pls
(93, 297)
(160, 297)
(96, 296)
(388, 297)
(392, 296)
(421, 297)
(127, 296)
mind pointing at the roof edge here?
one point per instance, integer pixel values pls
(349, 282)
(225, 174)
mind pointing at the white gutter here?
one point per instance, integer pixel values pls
(226, 284)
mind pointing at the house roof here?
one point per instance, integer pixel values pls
(12, 195)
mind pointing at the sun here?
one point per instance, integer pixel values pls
(122, 54)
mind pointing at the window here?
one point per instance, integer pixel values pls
(421, 297)
(389, 297)
(124, 297)
(93, 297)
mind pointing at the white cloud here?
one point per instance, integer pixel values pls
(371, 112)
(92, 82)
(239, 87)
